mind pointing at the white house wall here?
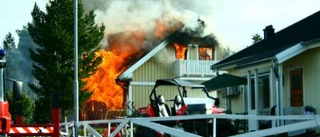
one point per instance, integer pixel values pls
(309, 62)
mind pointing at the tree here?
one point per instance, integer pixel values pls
(27, 107)
(53, 61)
(10, 53)
(8, 42)
(256, 38)
(9, 46)
(12, 66)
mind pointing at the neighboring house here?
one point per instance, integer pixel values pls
(178, 56)
(282, 70)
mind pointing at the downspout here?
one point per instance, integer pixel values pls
(279, 95)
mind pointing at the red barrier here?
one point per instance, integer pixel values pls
(53, 129)
(31, 130)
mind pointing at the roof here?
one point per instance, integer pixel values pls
(305, 30)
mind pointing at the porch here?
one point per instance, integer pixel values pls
(199, 68)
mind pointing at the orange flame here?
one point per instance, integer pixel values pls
(160, 29)
(205, 53)
(122, 49)
(163, 29)
(180, 51)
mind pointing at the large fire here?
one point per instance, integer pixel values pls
(123, 50)
(132, 29)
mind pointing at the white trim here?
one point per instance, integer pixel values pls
(195, 78)
(142, 83)
(290, 52)
(294, 51)
(128, 72)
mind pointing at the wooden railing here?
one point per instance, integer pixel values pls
(185, 68)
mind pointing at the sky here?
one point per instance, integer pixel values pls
(235, 21)
(14, 14)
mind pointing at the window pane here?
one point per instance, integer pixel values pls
(205, 53)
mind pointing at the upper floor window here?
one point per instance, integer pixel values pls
(205, 53)
(180, 51)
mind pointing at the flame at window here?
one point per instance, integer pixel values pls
(180, 51)
(205, 53)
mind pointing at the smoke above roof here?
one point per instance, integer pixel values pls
(121, 16)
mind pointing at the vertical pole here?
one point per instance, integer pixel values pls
(19, 113)
(272, 91)
(249, 90)
(109, 128)
(55, 112)
(76, 83)
(256, 96)
(281, 99)
(214, 124)
(131, 129)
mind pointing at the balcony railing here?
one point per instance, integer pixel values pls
(185, 68)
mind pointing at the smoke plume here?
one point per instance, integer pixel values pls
(129, 15)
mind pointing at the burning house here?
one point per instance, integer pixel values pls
(137, 55)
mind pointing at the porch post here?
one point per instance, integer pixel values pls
(256, 91)
(249, 91)
(129, 98)
(272, 90)
(281, 99)
(271, 86)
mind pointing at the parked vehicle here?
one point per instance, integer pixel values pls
(173, 97)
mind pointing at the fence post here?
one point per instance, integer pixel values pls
(131, 129)
(214, 122)
(55, 102)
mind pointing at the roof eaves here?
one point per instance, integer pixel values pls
(128, 73)
(296, 50)
(290, 52)
(227, 64)
(264, 60)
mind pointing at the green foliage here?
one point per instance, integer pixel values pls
(53, 61)
(27, 107)
(8, 42)
(10, 54)
(256, 38)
